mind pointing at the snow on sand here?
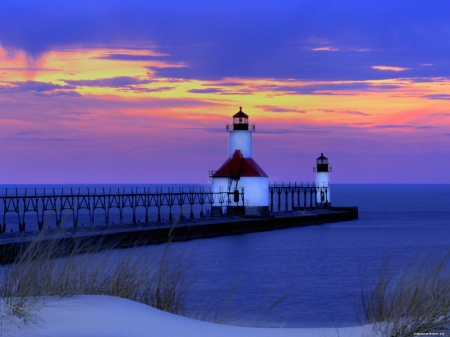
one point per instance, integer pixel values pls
(105, 316)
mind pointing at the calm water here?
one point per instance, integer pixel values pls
(318, 268)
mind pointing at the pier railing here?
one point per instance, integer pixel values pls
(31, 208)
(20, 203)
(295, 196)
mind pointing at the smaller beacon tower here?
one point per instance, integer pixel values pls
(245, 182)
(322, 170)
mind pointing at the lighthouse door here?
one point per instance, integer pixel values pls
(236, 196)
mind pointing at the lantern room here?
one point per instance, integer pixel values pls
(240, 120)
(322, 164)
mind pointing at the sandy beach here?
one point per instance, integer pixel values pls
(101, 316)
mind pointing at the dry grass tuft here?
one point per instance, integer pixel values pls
(416, 300)
(51, 269)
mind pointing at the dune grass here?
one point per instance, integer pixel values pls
(51, 269)
(93, 267)
(414, 300)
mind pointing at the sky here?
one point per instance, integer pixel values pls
(140, 92)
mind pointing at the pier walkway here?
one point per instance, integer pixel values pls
(156, 232)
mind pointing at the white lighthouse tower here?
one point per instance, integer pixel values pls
(322, 170)
(240, 176)
(240, 135)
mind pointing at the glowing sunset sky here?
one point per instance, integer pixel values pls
(141, 91)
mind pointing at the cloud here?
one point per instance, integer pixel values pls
(426, 79)
(389, 68)
(325, 49)
(32, 86)
(270, 108)
(70, 93)
(28, 133)
(441, 114)
(402, 126)
(30, 69)
(347, 112)
(159, 89)
(327, 88)
(392, 126)
(74, 113)
(36, 136)
(274, 42)
(206, 91)
(426, 127)
(205, 129)
(113, 82)
(362, 50)
(303, 130)
(131, 57)
(231, 84)
(236, 93)
(445, 97)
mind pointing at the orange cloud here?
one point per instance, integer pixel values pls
(389, 68)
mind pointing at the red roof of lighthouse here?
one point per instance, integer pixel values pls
(238, 166)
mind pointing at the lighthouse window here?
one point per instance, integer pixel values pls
(240, 120)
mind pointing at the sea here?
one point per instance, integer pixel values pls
(312, 276)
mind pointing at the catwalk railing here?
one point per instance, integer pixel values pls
(144, 201)
(295, 196)
(35, 208)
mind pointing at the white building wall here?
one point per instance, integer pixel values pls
(240, 140)
(323, 180)
(256, 190)
(220, 185)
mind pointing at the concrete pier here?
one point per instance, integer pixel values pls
(180, 229)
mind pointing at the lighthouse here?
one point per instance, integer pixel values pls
(245, 182)
(322, 170)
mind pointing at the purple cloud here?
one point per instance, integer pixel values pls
(159, 89)
(113, 82)
(445, 97)
(441, 114)
(326, 89)
(131, 57)
(206, 91)
(395, 126)
(347, 112)
(229, 84)
(392, 126)
(275, 41)
(426, 127)
(36, 136)
(270, 108)
(282, 131)
(32, 86)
